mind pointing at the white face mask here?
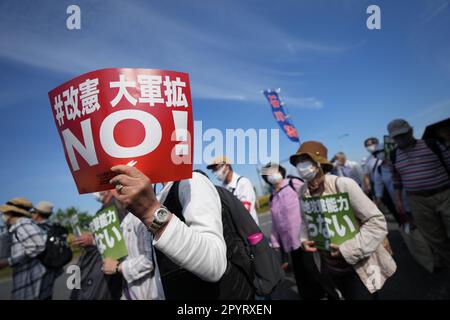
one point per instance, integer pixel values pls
(221, 173)
(372, 148)
(306, 170)
(274, 178)
(98, 197)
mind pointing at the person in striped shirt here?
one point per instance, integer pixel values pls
(421, 168)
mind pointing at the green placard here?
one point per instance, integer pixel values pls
(330, 219)
(389, 145)
(108, 235)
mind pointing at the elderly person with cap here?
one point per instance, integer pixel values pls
(360, 265)
(41, 215)
(28, 241)
(347, 168)
(422, 169)
(238, 185)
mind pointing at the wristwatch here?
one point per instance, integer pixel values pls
(160, 219)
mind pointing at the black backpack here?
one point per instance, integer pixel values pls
(249, 269)
(57, 251)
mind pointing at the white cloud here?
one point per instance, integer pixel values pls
(436, 8)
(217, 62)
(307, 103)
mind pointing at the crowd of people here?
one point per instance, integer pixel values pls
(190, 240)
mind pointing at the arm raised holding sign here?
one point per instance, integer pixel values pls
(135, 192)
(193, 239)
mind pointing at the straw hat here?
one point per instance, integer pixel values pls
(44, 207)
(316, 151)
(218, 161)
(17, 205)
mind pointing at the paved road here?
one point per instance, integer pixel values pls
(411, 281)
(60, 292)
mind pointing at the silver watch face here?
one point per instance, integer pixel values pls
(161, 215)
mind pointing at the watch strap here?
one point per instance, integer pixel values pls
(155, 226)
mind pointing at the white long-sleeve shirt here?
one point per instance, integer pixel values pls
(242, 188)
(143, 281)
(198, 244)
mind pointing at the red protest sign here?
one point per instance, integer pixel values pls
(139, 117)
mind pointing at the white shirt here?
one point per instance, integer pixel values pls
(243, 190)
(143, 281)
(198, 244)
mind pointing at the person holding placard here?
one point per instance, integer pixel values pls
(142, 280)
(95, 285)
(342, 227)
(187, 232)
(285, 232)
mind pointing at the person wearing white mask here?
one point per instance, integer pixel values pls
(239, 186)
(285, 232)
(371, 145)
(350, 264)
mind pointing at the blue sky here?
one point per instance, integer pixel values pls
(337, 77)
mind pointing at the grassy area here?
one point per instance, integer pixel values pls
(263, 204)
(7, 272)
(4, 273)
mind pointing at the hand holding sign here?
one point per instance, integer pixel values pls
(330, 220)
(84, 240)
(309, 246)
(136, 193)
(110, 266)
(335, 253)
(117, 116)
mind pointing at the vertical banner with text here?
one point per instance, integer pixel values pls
(280, 115)
(140, 117)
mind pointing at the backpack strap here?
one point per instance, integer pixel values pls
(433, 145)
(376, 165)
(379, 170)
(290, 184)
(172, 201)
(14, 234)
(237, 183)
